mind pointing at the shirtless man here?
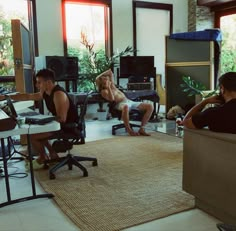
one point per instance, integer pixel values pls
(111, 93)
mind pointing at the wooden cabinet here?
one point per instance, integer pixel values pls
(23, 57)
(187, 58)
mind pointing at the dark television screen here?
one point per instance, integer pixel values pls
(137, 66)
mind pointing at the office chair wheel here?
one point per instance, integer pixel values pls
(52, 176)
(85, 174)
(45, 166)
(226, 227)
(95, 163)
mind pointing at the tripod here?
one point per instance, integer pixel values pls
(14, 151)
(10, 144)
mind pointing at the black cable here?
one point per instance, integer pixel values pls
(15, 174)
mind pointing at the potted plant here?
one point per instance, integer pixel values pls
(93, 63)
(195, 88)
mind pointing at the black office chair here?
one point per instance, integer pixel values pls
(134, 115)
(64, 143)
(226, 227)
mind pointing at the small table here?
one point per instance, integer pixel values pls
(24, 130)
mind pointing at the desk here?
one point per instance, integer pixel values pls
(24, 130)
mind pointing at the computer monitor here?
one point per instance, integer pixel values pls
(139, 66)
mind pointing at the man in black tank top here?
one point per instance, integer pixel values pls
(58, 103)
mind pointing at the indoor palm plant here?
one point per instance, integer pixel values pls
(196, 88)
(92, 63)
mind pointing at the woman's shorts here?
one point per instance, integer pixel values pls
(131, 104)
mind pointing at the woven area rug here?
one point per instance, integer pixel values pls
(138, 179)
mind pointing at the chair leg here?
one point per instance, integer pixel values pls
(56, 167)
(119, 126)
(82, 158)
(73, 161)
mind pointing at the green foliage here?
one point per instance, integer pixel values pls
(192, 87)
(228, 60)
(228, 46)
(93, 62)
(6, 50)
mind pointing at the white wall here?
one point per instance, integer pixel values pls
(123, 21)
(49, 21)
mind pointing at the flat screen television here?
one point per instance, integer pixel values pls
(139, 66)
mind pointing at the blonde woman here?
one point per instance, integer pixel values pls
(108, 90)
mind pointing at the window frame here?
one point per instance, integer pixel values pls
(32, 18)
(108, 24)
(149, 5)
(221, 13)
(32, 12)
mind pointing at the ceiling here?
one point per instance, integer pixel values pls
(213, 2)
(216, 4)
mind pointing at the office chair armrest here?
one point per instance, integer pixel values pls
(68, 125)
(75, 128)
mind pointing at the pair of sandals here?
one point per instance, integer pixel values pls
(44, 165)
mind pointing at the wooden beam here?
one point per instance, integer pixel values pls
(211, 3)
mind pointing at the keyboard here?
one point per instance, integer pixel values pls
(41, 120)
(28, 113)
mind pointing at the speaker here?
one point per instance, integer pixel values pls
(139, 79)
(64, 67)
(139, 86)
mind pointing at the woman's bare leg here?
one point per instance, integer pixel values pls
(125, 118)
(148, 108)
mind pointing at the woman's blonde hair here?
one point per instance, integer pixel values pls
(99, 82)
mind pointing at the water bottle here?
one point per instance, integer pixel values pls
(178, 125)
(152, 84)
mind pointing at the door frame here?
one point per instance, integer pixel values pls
(149, 5)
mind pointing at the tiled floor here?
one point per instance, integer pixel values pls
(43, 215)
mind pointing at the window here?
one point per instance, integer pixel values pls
(226, 21)
(9, 9)
(228, 51)
(25, 10)
(87, 35)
